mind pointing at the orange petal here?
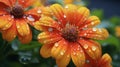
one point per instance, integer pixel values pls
(47, 21)
(77, 55)
(83, 14)
(26, 3)
(105, 61)
(65, 59)
(59, 49)
(6, 23)
(48, 37)
(71, 14)
(94, 33)
(10, 3)
(45, 51)
(2, 9)
(92, 48)
(10, 33)
(117, 30)
(58, 12)
(91, 22)
(25, 39)
(22, 27)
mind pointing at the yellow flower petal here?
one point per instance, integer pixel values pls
(59, 49)
(58, 12)
(83, 13)
(92, 48)
(10, 33)
(71, 14)
(105, 61)
(117, 29)
(95, 33)
(45, 51)
(91, 22)
(65, 59)
(22, 27)
(77, 55)
(48, 38)
(25, 39)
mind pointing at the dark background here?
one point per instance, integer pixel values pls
(110, 7)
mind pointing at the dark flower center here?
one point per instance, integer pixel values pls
(17, 11)
(70, 33)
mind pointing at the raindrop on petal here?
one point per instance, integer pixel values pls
(50, 29)
(56, 44)
(87, 61)
(85, 46)
(94, 48)
(30, 18)
(64, 16)
(39, 11)
(61, 53)
(94, 29)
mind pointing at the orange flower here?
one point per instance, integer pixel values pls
(68, 35)
(104, 61)
(70, 1)
(117, 29)
(15, 17)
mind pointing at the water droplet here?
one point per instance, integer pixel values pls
(12, 16)
(3, 15)
(85, 34)
(94, 29)
(74, 53)
(24, 16)
(23, 1)
(66, 6)
(78, 48)
(85, 46)
(56, 44)
(39, 11)
(61, 53)
(87, 61)
(94, 48)
(92, 23)
(100, 30)
(30, 18)
(64, 16)
(18, 26)
(24, 59)
(50, 29)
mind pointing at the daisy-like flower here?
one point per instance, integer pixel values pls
(14, 18)
(69, 35)
(104, 61)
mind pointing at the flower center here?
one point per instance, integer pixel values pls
(70, 33)
(17, 11)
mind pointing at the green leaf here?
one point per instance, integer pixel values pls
(31, 45)
(112, 40)
(98, 12)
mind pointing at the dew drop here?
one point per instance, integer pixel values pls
(30, 18)
(94, 48)
(85, 34)
(85, 46)
(92, 23)
(68, 56)
(61, 53)
(66, 6)
(39, 11)
(18, 26)
(94, 29)
(50, 29)
(64, 16)
(24, 59)
(87, 61)
(74, 53)
(56, 44)
(12, 16)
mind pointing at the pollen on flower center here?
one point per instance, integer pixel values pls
(17, 11)
(70, 33)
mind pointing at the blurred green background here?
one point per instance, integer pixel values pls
(15, 54)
